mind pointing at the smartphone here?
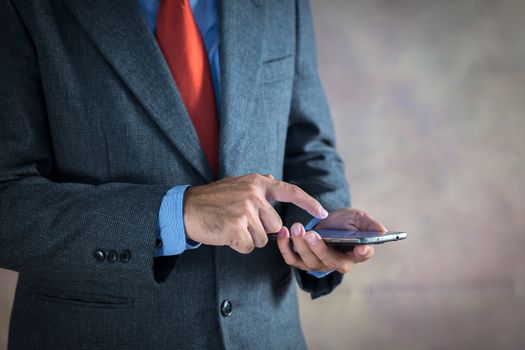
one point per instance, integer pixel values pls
(346, 240)
(346, 237)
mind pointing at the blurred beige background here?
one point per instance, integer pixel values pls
(428, 100)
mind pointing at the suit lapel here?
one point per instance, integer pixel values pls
(118, 29)
(242, 29)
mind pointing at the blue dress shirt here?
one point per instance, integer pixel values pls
(171, 214)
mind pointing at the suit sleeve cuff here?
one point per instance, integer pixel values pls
(171, 234)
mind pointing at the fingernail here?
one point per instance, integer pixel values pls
(282, 233)
(296, 229)
(311, 238)
(324, 213)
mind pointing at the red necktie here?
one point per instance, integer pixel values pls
(180, 41)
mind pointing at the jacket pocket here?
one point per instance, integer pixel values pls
(277, 69)
(83, 299)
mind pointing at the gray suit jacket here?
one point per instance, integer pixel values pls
(93, 133)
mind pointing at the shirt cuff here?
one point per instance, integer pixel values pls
(171, 232)
(320, 274)
(309, 226)
(312, 224)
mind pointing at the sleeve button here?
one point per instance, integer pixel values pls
(125, 255)
(112, 255)
(99, 255)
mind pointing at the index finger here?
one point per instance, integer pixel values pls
(285, 192)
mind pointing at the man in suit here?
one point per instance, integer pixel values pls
(147, 150)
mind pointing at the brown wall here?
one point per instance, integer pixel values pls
(428, 100)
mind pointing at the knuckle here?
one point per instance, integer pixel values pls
(249, 247)
(295, 189)
(344, 268)
(358, 212)
(275, 225)
(246, 203)
(237, 223)
(261, 241)
(234, 241)
(253, 196)
(275, 228)
(362, 215)
(243, 247)
(252, 189)
(256, 178)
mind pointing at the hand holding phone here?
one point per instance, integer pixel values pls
(347, 239)
(308, 251)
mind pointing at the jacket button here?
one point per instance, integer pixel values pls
(158, 243)
(112, 255)
(226, 308)
(99, 255)
(125, 255)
